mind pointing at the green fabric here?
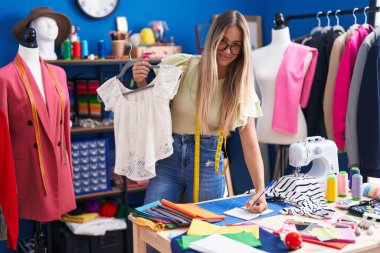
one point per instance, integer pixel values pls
(243, 237)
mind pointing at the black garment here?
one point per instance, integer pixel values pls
(368, 115)
(314, 110)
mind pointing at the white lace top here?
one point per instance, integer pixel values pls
(142, 122)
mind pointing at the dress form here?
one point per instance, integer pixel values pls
(47, 32)
(29, 52)
(266, 63)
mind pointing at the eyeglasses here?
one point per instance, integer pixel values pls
(234, 49)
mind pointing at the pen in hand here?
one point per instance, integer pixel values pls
(266, 188)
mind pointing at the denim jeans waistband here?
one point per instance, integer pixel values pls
(191, 137)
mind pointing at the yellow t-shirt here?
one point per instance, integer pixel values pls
(183, 106)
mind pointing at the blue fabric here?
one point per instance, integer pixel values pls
(175, 174)
(368, 115)
(222, 205)
(270, 243)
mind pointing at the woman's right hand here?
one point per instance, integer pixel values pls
(140, 72)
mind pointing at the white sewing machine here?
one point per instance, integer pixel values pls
(323, 153)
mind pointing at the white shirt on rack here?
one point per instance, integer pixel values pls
(142, 122)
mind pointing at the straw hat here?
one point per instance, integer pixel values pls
(63, 22)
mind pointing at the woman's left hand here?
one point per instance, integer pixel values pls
(260, 206)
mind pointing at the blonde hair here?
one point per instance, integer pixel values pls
(238, 78)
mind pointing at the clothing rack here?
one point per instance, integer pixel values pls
(355, 11)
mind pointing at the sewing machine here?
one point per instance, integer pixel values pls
(323, 153)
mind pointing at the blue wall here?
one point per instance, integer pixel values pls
(181, 19)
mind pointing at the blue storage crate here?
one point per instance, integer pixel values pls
(91, 165)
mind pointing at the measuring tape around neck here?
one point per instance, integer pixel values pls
(197, 157)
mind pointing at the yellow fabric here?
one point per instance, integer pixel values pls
(183, 106)
(149, 224)
(82, 218)
(199, 227)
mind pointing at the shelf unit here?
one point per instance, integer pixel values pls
(97, 129)
(123, 190)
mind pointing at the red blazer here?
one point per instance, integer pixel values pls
(8, 197)
(33, 203)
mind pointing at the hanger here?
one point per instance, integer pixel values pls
(127, 66)
(328, 26)
(355, 25)
(365, 25)
(319, 28)
(338, 27)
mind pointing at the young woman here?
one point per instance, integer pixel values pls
(215, 96)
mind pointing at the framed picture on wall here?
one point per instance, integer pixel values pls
(255, 30)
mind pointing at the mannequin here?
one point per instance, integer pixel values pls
(47, 30)
(29, 51)
(35, 101)
(266, 64)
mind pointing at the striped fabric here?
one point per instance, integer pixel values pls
(304, 193)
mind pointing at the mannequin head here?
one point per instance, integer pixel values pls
(51, 27)
(47, 32)
(46, 28)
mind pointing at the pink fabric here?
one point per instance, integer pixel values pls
(33, 204)
(293, 87)
(342, 84)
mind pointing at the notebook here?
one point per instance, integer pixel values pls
(243, 213)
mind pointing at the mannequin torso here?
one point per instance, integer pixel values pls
(47, 31)
(266, 63)
(32, 59)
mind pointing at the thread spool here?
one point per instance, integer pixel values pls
(76, 50)
(342, 184)
(332, 188)
(371, 190)
(353, 171)
(66, 50)
(84, 49)
(357, 185)
(101, 49)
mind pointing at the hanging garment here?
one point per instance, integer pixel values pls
(314, 110)
(8, 195)
(368, 116)
(342, 84)
(293, 85)
(328, 97)
(143, 127)
(304, 192)
(353, 97)
(44, 193)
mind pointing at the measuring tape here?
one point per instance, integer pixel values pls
(197, 157)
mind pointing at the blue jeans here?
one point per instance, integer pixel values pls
(175, 174)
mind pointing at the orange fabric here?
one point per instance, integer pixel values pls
(193, 210)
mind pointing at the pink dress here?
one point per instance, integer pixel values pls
(293, 85)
